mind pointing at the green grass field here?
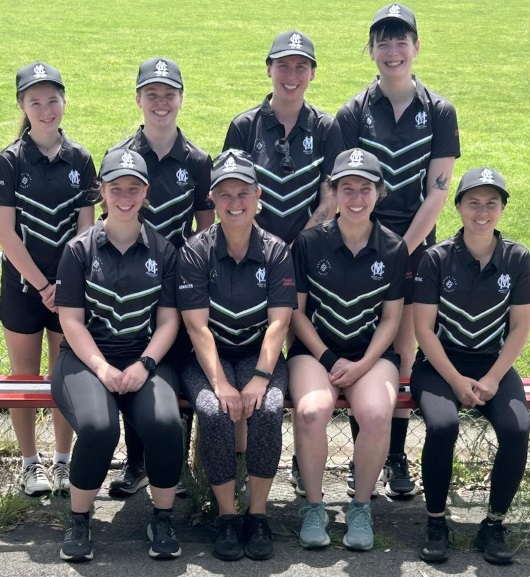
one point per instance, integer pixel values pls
(472, 51)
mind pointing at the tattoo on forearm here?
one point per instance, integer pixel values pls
(321, 215)
(441, 182)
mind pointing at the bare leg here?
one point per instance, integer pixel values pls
(259, 493)
(163, 498)
(81, 499)
(225, 495)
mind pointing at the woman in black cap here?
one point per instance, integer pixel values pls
(413, 132)
(350, 278)
(472, 319)
(44, 179)
(236, 292)
(115, 283)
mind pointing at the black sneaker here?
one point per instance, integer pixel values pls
(227, 544)
(257, 537)
(181, 490)
(132, 477)
(350, 482)
(491, 540)
(295, 478)
(76, 543)
(434, 548)
(396, 477)
(164, 544)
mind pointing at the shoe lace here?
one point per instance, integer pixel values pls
(76, 529)
(496, 532)
(259, 529)
(61, 471)
(164, 528)
(228, 528)
(36, 470)
(439, 532)
(359, 518)
(400, 468)
(313, 516)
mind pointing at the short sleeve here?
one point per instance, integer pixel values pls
(348, 118)
(445, 138)
(192, 279)
(427, 280)
(7, 181)
(300, 262)
(333, 145)
(201, 199)
(400, 281)
(520, 291)
(168, 297)
(281, 282)
(70, 283)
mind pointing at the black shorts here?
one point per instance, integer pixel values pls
(24, 312)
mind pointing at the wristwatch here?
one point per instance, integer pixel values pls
(148, 363)
(264, 374)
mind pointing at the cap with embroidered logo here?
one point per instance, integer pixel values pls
(159, 70)
(123, 162)
(292, 43)
(483, 176)
(233, 163)
(357, 162)
(37, 72)
(395, 13)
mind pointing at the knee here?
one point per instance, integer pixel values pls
(312, 417)
(100, 434)
(375, 422)
(443, 433)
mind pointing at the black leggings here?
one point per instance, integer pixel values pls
(93, 413)
(217, 441)
(506, 411)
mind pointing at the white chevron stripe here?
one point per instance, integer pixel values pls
(296, 192)
(45, 208)
(451, 337)
(118, 317)
(399, 151)
(340, 318)
(481, 315)
(45, 224)
(288, 177)
(404, 167)
(235, 343)
(170, 202)
(241, 314)
(342, 301)
(128, 297)
(237, 332)
(419, 176)
(472, 335)
(284, 213)
(115, 331)
(346, 336)
(28, 232)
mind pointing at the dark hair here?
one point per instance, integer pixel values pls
(25, 124)
(390, 30)
(379, 187)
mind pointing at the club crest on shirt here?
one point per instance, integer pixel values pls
(96, 264)
(378, 270)
(449, 284)
(259, 145)
(368, 121)
(504, 282)
(213, 275)
(75, 178)
(25, 180)
(323, 267)
(307, 143)
(151, 267)
(182, 176)
(260, 277)
(421, 120)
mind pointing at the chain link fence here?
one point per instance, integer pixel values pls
(476, 442)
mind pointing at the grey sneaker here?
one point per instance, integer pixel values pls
(76, 545)
(313, 532)
(295, 478)
(360, 536)
(34, 480)
(350, 482)
(60, 477)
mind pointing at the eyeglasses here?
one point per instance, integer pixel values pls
(286, 163)
(232, 152)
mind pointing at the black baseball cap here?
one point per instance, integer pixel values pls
(37, 72)
(395, 13)
(357, 162)
(123, 162)
(483, 176)
(292, 43)
(159, 70)
(233, 163)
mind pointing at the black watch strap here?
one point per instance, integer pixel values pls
(264, 374)
(149, 363)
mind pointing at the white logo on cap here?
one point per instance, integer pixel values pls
(151, 266)
(296, 41)
(39, 71)
(127, 160)
(486, 176)
(394, 10)
(421, 119)
(378, 268)
(356, 158)
(230, 165)
(161, 68)
(74, 178)
(308, 144)
(182, 176)
(504, 283)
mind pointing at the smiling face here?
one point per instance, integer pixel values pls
(290, 77)
(124, 197)
(394, 54)
(43, 104)
(480, 209)
(160, 104)
(236, 202)
(356, 198)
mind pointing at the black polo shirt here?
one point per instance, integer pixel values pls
(47, 196)
(345, 294)
(473, 304)
(427, 129)
(179, 185)
(288, 200)
(119, 292)
(237, 294)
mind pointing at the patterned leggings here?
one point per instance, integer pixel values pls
(217, 441)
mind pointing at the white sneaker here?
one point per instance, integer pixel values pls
(34, 480)
(60, 477)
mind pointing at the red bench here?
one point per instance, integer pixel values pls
(34, 391)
